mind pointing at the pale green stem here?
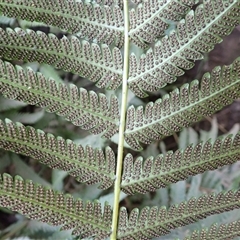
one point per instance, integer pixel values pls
(117, 185)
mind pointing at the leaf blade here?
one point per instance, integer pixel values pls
(89, 20)
(159, 221)
(197, 34)
(38, 202)
(80, 57)
(153, 173)
(183, 106)
(86, 109)
(86, 165)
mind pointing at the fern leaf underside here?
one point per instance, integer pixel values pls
(97, 63)
(94, 21)
(154, 69)
(151, 18)
(172, 167)
(154, 221)
(197, 34)
(183, 106)
(89, 165)
(217, 232)
(37, 202)
(86, 109)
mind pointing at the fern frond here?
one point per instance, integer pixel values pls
(86, 109)
(217, 232)
(172, 167)
(103, 23)
(86, 165)
(110, 2)
(150, 19)
(183, 106)
(197, 34)
(154, 221)
(45, 205)
(98, 64)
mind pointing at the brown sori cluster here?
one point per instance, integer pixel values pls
(176, 52)
(55, 208)
(86, 165)
(164, 117)
(151, 19)
(147, 176)
(72, 55)
(92, 21)
(154, 221)
(101, 22)
(82, 108)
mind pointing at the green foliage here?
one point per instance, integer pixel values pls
(96, 46)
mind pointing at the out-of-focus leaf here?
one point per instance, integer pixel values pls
(4, 162)
(27, 24)
(178, 192)
(162, 147)
(161, 197)
(28, 118)
(66, 235)
(151, 150)
(6, 20)
(110, 198)
(26, 172)
(57, 179)
(90, 192)
(213, 133)
(234, 130)
(36, 228)
(94, 141)
(192, 136)
(8, 104)
(183, 139)
(194, 189)
(50, 72)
